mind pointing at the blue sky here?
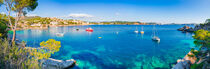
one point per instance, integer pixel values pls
(162, 11)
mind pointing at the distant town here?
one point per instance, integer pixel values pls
(37, 22)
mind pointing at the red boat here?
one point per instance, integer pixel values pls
(89, 30)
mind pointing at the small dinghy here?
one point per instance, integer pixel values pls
(89, 30)
(77, 29)
(59, 34)
(155, 38)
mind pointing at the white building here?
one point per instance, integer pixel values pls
(54, 23)
(38, 24)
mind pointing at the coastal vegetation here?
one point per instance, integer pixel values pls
(19, 56)
(20, 8)
(3, 25)
(207, 21)
(199, 56)
(16, 55)
(202, 42)
(205, 26)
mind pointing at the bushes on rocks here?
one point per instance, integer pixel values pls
(15, 56)
(3, 25)
(18, 56)
(202, 41)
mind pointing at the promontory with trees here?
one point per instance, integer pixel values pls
(199, 56)
(205, 26)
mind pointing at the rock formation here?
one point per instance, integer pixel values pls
(185, 62)
(57, 64)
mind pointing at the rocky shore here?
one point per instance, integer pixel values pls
(197, 27)
(51, 63)
(185, 62)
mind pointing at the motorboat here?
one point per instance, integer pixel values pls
(89, 30)
(77, 29)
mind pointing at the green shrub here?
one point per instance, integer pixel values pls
(17, 56)
(202, 41)
(3, 25)
(196, 66)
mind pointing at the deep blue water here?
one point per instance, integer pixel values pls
(122, 50)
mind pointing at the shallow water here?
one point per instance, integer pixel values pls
(119, 47)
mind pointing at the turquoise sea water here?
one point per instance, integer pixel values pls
(122, 50)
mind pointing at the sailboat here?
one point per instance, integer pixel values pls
(142, 31)
(154, 37)
(136, 31)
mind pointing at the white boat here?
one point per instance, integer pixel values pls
(59, 34)
(136, 31)
(154, 36)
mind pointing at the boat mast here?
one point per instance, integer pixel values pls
(153, 30)
(141, 28)
(136, 28)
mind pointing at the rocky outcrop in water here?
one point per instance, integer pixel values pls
(186, 29)
(57, 64)
(182, 65)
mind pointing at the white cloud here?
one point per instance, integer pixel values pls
(31, 14)
(80, 15)
(117, 13)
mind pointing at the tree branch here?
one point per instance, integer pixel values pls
(8, 8)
